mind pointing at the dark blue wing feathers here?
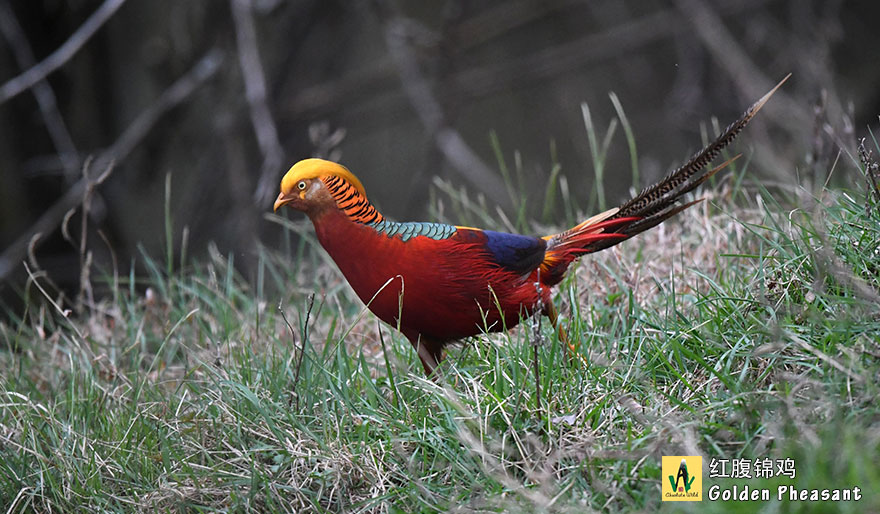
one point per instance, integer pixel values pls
(517, 253)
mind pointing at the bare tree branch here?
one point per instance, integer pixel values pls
(179, 91)
(255, 91)
(496, 21)
(484, 80)
(57, 58)
(58, 132)
(206, 67)
(743, 71)
(728, 53)
(450, 143)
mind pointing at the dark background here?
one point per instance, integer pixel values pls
(400, 92)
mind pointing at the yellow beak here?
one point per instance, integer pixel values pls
(281, 200)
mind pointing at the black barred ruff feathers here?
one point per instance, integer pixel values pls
(351, 201)
(358, 208)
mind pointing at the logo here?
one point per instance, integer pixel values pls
(682, 479)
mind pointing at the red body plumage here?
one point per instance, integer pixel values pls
(439, 289)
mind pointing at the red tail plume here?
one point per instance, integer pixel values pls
(646, 210)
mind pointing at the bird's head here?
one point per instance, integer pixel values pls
(306, 186)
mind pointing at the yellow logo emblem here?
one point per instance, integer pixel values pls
(682, 479)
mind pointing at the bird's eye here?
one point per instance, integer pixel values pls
(301, 185)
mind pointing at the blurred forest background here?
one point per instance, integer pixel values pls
(223, 96)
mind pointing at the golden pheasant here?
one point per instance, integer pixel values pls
(439, 283)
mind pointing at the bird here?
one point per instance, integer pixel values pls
(438, 283)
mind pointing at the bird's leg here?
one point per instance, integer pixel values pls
(553, 316)
(430, 353)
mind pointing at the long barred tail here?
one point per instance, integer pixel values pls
(652, 206)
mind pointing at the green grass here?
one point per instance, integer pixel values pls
(739, 330)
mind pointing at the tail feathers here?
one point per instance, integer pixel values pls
(565, 247)
(577, 239)
(654, 205)
(605, 230)
(658, 197)
(657, 217)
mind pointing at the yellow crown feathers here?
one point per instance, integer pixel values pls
(317, 168)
